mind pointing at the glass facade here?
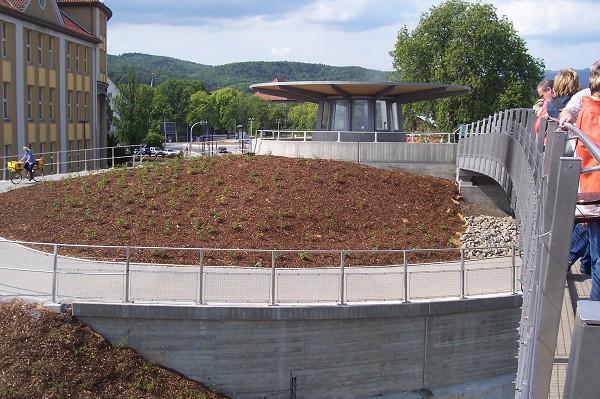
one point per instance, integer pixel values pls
(360, 116)
(366, 115)
(325, 115)
(340, 115)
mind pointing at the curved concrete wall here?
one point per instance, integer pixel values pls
(349, 351)
(432, 159)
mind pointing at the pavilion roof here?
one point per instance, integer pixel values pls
(315, 91)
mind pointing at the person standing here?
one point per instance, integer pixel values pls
(566, 84)
(588, 121)
(29, 160)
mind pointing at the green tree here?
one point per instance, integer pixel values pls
(466, 44)
(228, 115)
(303, 116)
(132, 105)
(203, 107)
(172, 102)
(154, 139)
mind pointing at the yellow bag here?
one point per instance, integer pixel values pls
(15, 166)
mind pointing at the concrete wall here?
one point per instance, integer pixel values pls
(431, 159)
(353, 351)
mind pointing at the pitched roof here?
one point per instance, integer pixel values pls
(74, 26)
(67, 3)
(16, 4)
(69, 23)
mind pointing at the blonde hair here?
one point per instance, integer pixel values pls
(566, 82)
(25, 148)
(595, 78)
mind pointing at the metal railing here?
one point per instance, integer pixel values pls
(306, 135)
(204, 280)
(72, 161)
(540, 176)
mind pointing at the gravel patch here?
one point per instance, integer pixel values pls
(489, 236)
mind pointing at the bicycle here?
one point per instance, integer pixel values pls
(16, 171)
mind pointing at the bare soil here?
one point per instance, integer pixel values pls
(53, 356)
(235, 201)
(232, 201)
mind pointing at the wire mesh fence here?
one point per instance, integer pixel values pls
(42, 270)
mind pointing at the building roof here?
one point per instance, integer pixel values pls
(16, 4)
(18, 8)
(315, 91)
(97, 3)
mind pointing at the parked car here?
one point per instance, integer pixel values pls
(156, 151)
(222, 150)
(142, 151)
(171, 153)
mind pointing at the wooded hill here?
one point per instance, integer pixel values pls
(237, 75)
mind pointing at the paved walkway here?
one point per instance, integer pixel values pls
(577, 288)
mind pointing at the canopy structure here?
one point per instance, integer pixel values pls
(317, 91)
(358, 107)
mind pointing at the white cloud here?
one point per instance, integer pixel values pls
(280, 52)
(335, 32)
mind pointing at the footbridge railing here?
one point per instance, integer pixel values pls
(541, 183)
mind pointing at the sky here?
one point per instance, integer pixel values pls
(561, 33)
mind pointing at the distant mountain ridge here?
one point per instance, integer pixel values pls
(240, 75)
(237, 75)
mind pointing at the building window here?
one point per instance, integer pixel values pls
(28, 45)
(85, 103)
(29, 102)
(68, 56)
(51, 105)
(85, 61)
(5, 100)
(50, 59)
(360, 115)
(69, 99)
(40, 58)
(41, 103)
(77, 57)
(4, 40)
(42, 4)
(78, 97)
(340, 115)
(381, 116)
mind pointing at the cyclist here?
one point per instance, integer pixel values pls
(29, 160)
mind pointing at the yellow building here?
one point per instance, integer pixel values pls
(54, 80)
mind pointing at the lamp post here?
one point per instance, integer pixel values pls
(250, 120)
(278, 120)
(84, 122)
(190, 141)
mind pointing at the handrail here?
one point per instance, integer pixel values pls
(121, 279)
(589, 143)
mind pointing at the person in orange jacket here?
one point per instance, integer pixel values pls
(588, 121)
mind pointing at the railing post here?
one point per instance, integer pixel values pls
(513, 283)
(272, 278)
(127, 258)
(462, 273)
(342, 285)
(405, 276)
(54, 273)
(200, 293)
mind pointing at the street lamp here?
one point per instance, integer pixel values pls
(278, 122)
(84, 122)
(250, 120)
(190, 141)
